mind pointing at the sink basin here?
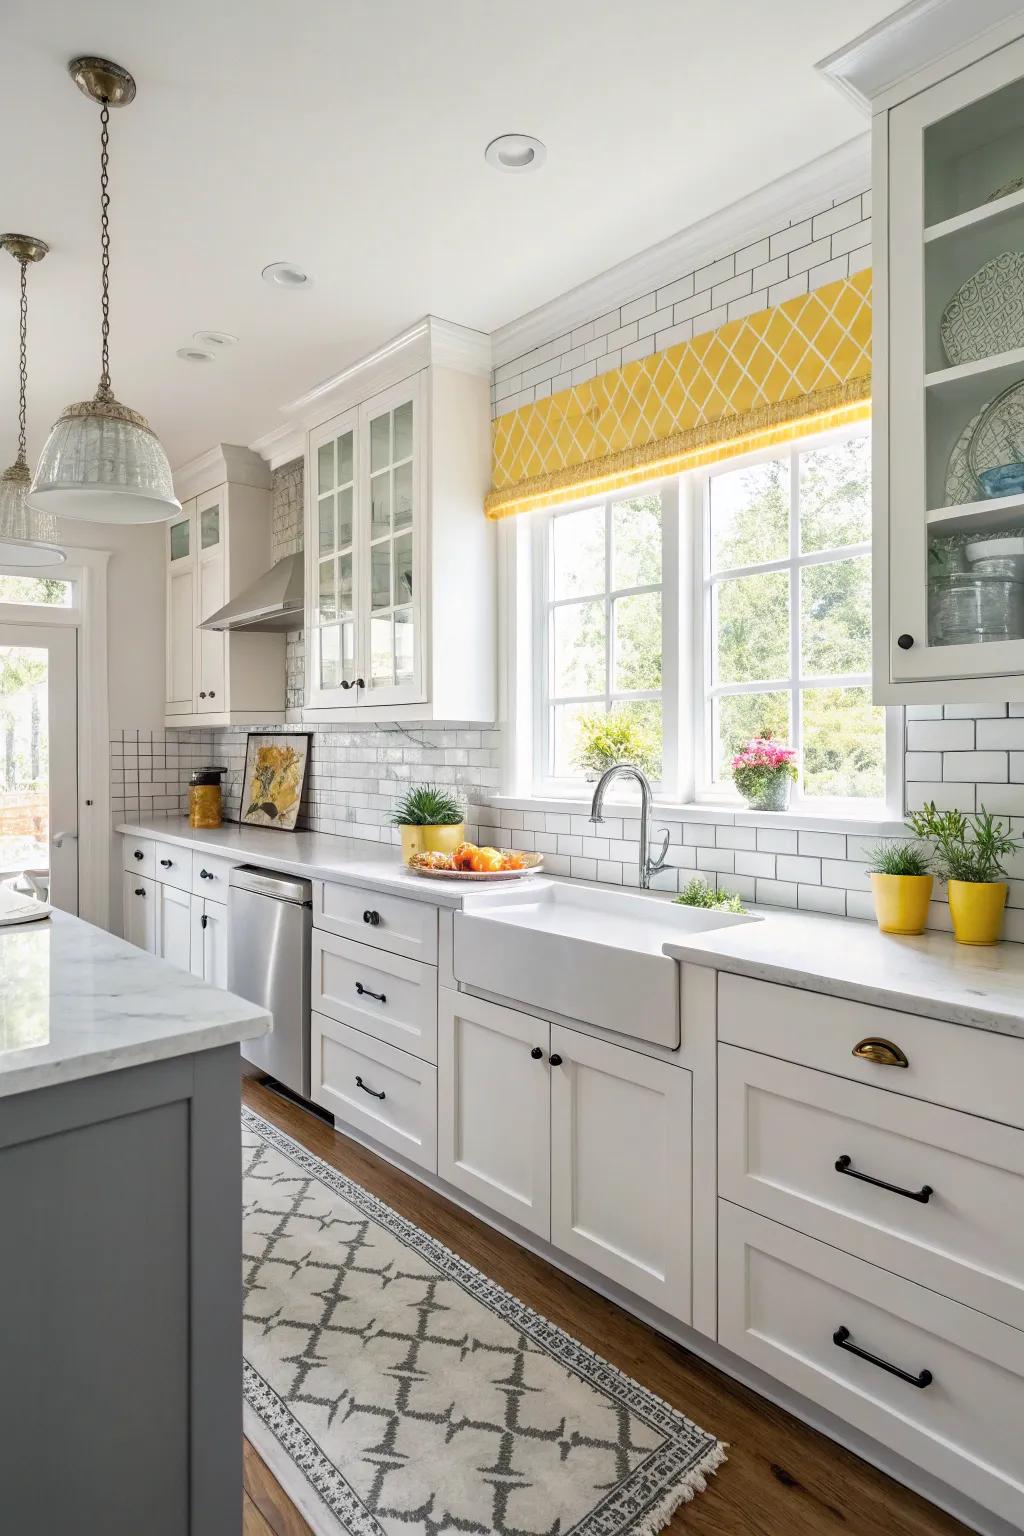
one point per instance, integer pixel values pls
(586, 954)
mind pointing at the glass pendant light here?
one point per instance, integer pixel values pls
(27, 537)
(102, 462)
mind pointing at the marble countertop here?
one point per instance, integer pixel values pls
(76, 1002)
(982, 988)
(314, 856)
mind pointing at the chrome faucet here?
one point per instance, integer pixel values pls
(648, 866)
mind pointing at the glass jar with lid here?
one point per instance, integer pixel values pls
(204, 797)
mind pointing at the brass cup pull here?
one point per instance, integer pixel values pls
(882, 1052)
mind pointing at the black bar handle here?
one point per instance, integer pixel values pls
(373, 1094)
(844, 1164)
(378, 997)
(841, 1337)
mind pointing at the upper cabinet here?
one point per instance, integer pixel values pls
(218, 546)
(949, 379)
(400, 561)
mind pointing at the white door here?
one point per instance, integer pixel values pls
(621, 1166)
(209, 945)
(39, 760)
(493, 1107)
(211, 594)
(173, 925)
(140, 903)
(181, 618)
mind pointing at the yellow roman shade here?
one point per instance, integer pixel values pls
(766, 378)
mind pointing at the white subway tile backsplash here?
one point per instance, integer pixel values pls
(1000, 733)
(823, 845)
(761, 865)
(969, 767)
(799, 868)
(940, 735)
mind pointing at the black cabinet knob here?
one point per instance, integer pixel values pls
(138, 854)
(345, 685)
(373, 918)
(212, 694)
(204, 874)
(360, 682)
(555, 1060)
(202, 695)
(536, 1053)
(165, 863)
(139, 890)
(905, 642)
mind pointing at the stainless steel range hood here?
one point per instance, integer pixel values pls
(273, 602)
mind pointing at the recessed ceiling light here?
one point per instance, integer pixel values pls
(516, 152)
(195, 354)
(285, 274)
(214, 339)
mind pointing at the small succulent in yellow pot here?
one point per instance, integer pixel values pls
(970, 849)
(902, 885)
(430, 820)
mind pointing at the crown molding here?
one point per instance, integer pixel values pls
(839, 173)
(225, 463)
(879, 68)
(281, 446)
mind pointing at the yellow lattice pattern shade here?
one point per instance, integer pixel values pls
(757, 380)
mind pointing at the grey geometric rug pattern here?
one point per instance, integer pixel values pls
(395, 1391)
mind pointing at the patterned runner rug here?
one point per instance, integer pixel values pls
(393, 1390)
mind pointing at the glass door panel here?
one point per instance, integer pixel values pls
(392, 486)
(334, 648)
(180, 539)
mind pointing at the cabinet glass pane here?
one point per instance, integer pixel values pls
(325, 517)
(403, 431)
(330, 657)
(405, 653)
(344, 458)
(403, 568)
(345, 584)
(380, 505)
(344, 517)
(403, 496)
(180, 540)
(209, 527)
(327, 599)
(325, 467)
(380, 575)
(380, 442)
(382, 661)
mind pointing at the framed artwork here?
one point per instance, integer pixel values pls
(275, 772)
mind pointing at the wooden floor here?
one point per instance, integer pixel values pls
(781, 1479)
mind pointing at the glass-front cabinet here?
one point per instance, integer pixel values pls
(949, 249)
(366, 533)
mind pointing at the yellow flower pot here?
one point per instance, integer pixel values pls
(977, 910)
(901, 902)
(431, 839)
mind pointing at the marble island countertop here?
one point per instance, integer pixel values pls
(76, 1002)
(982, 988)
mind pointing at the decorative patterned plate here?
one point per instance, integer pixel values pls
(961, 485)
(999, 436)
(986, 314)
(482, 874)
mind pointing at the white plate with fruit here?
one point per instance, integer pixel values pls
(468, 862)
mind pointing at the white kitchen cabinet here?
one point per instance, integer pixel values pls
(173, 924)
(945, 206)
(140, 903)
(400, 560)
(621, 1169)
(208, 946)
(217, 548)
(493, 1107)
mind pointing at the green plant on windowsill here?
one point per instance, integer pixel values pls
(607, 737)
(697, 893)
(970, 849)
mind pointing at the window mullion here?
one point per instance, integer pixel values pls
(794, 605)
(609, 638)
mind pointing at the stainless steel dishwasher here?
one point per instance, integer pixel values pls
(270, 926)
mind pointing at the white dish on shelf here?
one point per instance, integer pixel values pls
(986, 314)
(1003, 547)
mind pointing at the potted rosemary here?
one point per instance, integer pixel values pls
(969, 851)
(902, 883)
(764, 773)
(430, 820)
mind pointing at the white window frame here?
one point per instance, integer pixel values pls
(707, 790)
(543, 605)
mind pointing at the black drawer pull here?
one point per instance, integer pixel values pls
(536, 1053)
(139, 891)
(203, 920)
(555, 1060)
(378, 997)
(922, 1195)
(373, 1094)
(138, 854)
(842, 1338)
(373, 918)
(204, 874)
(165, 863)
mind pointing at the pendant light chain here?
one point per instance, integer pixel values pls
(23, 362)
(104, 389)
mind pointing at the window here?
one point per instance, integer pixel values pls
(771, 636)
(36, 591)
(598, 574)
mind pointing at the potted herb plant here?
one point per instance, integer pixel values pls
(902, 885)
(430, 820)
(970, 850)
(764, 773)
(607, 737)
(697, 893)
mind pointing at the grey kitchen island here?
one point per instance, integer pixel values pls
(120, 1243)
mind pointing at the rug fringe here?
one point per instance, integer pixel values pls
(696, 1481)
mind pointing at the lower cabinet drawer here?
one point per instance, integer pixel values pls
(137, 856)
(210, 876)
(852, 1165)
(946, 1383)
(173, 865)
(383, 995)
(396, 923)
(375, 1088)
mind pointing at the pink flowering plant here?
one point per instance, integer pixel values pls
(762, 773)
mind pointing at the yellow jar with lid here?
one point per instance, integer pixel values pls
(204, 798)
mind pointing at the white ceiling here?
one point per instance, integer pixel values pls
(348, 136)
